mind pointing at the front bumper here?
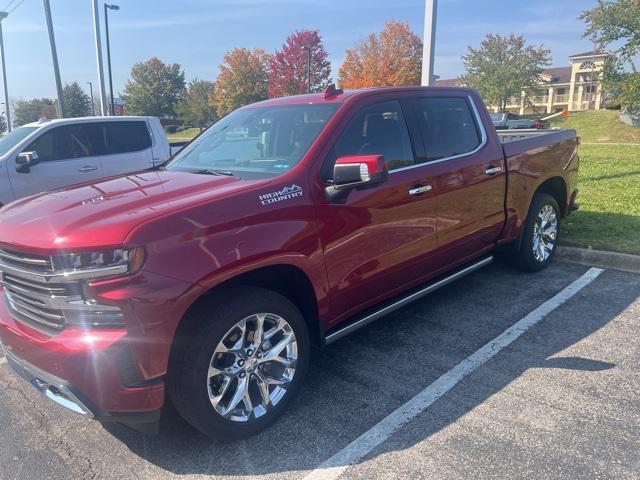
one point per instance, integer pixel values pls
(79, 370)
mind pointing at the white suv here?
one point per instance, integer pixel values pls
(53, 154)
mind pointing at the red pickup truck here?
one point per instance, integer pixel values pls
(286, 225)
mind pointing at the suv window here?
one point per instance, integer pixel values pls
(63, 143)
(379, 129)
(125, 137)
(448, 127)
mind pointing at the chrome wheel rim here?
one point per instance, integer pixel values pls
(545, 232)
(252, 367)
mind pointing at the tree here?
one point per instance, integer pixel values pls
(288, 67)
(196, 108)
(392, 57)
(3, 123)
(504, 67)
(617, 22)
(155, 88)
(27, 111)
(242, 80)
(75, 101)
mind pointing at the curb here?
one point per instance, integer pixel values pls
(599, 258)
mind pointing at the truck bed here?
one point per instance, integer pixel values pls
(516, 142)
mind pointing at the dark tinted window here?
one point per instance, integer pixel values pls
(124, 137)
(379, 130)
(63, 143)
(448, 126)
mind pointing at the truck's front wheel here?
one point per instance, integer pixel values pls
(540, 234)
(239, 362)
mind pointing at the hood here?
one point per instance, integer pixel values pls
(102, 214)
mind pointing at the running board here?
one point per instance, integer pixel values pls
(412, 297)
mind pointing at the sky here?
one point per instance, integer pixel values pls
(197, 33)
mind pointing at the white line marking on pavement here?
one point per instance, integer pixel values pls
(365, 443)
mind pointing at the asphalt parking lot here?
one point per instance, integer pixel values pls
(561, 401)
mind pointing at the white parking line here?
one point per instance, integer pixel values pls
(365, 443)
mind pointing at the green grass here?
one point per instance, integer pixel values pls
(609, 215)
(602, 126)
(183, 136)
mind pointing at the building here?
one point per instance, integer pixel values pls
(576, 87)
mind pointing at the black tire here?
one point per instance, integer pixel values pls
(525, 258)
(205, 327)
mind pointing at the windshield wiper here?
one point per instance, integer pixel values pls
(208, 171)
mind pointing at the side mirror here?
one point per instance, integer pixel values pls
(356, 172)
(25, 161)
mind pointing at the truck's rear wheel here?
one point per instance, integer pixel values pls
(540, 234)
(239, 362)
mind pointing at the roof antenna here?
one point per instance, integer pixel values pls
(332, 91)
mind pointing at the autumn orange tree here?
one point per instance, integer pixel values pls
(243, 79)
(392, 57)
(288, 67)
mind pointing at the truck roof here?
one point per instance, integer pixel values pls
(341, 96)
(68, 121)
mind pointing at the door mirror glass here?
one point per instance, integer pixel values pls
(25, 161)
(356, 172)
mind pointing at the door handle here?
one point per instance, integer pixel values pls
(492, 170)
(88, 168)
(419, 190)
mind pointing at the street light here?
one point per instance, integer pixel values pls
(429, 42)
(108, 7)
(93, 107)
(4, 15)
(308, 49)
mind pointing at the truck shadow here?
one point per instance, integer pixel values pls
(361, 379)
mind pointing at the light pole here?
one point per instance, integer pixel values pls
(93, 107)
(96, 33)
(108, 7)
(308, 49)
(54, 57)
(429, 41)
(4, 15)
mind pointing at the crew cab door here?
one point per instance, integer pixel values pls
(467, 175)
(66, 155)
(383, 238)
(128, 147)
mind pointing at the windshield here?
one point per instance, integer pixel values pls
(10, 140)
(497, 117)
(255, 143)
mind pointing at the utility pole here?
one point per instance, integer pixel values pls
(4, 15)
(93, 107)
(54, 57)
(108, 7)
(96, 33)
(429, 42)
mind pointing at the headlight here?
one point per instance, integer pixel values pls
(97, 265)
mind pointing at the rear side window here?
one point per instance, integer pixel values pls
(63, 143)
(379, 129)
(448, 127)
(125, 137)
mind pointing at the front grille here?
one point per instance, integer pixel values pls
(30, 299)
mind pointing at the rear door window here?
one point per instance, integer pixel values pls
(448, 126)
(128, 136)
